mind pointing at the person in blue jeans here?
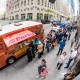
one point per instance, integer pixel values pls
(62, 45)
(72, 57)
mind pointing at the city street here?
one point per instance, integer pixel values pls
(18, 39)
(22, 70)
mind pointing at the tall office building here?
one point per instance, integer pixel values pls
(78, 16)
(71, 7)
(36, 9)
(78, 11)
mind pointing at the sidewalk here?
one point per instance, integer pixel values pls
(28, 71)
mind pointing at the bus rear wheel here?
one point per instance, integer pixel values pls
(11, 60)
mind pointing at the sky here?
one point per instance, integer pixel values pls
(75, 1)
(3, 6)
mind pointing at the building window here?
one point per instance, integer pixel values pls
(16, 17)
(22, 16)
(32, 8)
(30, 16)
(31, 1)
(25, 3)
(18, 5)
(41, 9)
(39, 16)
(46, 16)
(45, 3)
(52, 6)
(37, 8)
(28, 8)
(48, 4)
(42, 2)
(24, 9)
(12, 17)
(28, 2)
(21, 3)
(38, 2)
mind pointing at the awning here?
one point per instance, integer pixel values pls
(13, 39)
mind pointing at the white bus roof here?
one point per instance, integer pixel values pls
(16, 26)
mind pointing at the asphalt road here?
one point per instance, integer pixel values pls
(22, 70)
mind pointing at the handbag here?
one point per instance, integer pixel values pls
(44, 73)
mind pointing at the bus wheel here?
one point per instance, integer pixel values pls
(11, 60)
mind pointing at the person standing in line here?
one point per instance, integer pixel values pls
(78, 45)
(29, 54)
(76, 35)
(36, 42)
(33, 45)
(72, 57)
(61, 60)
(62, 45)
(60, 35)
(69, 36)
(72, 42)
(54, 41)
(57, 37)
(47, 46)
(40, 50)
(65, 35)
(43, 42)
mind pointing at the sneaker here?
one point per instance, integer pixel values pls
(43, 77)
(37, 76)
(65, 67)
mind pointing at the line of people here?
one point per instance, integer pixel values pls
(52, 39)
(59, 38)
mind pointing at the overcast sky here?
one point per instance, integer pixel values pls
(3, 6)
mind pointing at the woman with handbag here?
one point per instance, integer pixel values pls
(42, 69)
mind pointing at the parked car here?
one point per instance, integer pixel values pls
(44, 21)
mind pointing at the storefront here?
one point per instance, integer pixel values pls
(46, 16)
(39, 16)
(22, 16)
(30, 16)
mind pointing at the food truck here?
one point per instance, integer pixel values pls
(15, 39)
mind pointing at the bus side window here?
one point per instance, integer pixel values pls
(37, 32)
(42, 31)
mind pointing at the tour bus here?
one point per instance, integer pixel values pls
(15, 39)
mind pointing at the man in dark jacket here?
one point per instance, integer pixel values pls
(60, 36)
(62, 45)
(29, 54)
(33, 45)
